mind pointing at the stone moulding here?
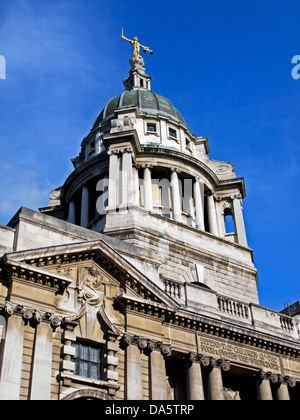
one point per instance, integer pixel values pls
(34, 316)
(208, 326)
(39, 276)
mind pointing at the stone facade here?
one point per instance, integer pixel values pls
(129, 285)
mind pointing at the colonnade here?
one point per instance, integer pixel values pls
(124, 192)
(213, 368)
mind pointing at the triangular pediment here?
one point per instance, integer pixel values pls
(63, 260)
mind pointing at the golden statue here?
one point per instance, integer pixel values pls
(136, 45)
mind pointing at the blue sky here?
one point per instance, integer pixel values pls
(226, 65)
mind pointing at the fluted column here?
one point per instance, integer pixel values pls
(176, 197)
(148, 201)
(239, 219)
(199, 203)
(212, 216)
(194, 378)
(72, 213)
(264, 386)
(215, 380)
(84, 219)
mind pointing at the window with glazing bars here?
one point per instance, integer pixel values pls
(87, 360)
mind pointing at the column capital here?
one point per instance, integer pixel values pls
(173, 169)
(268, 376)
(146, 344)
(32, 315)
(114, 151)
(146, 166)
(220, 363)
(237, 196)
(287, 380)
(198, 179)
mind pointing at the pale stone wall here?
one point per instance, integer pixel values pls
(7, 237)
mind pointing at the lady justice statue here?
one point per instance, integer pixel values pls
(136, 49)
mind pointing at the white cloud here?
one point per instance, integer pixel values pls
(21, 186)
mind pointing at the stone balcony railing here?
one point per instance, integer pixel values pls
(208, 302)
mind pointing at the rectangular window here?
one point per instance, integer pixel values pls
(151, 128)
(172, 133)
(87, 360)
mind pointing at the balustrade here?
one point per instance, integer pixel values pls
(233, 307)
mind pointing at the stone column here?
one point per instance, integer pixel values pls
(199, 204)
(113, 180)
(97, 143)
(148, 202)
(239, 220)
(158, 377)
(176, 197)
(11, 358)
(135, 187)
(102, 201)
(126, 178)
(133, 370)
(194, 378)
(212, 216)
(282, 391)
(214, 379)
(40, 386)
(84, 219)
(264, 387)
(72, 213)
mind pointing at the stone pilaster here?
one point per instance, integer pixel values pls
(126, 178)
(239, 219)
(133, 369)
(113, 179)
(40, 386)
(158, 381)
(11, 356)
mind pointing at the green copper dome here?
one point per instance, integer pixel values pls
(147, 102)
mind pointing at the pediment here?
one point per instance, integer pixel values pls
(67, 262)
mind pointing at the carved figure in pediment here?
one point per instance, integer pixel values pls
(90, 286)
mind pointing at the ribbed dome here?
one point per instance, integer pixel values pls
(147, 102)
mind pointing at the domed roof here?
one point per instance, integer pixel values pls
(147, 101)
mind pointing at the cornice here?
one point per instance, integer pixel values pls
(26, 272)
(202, 324)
